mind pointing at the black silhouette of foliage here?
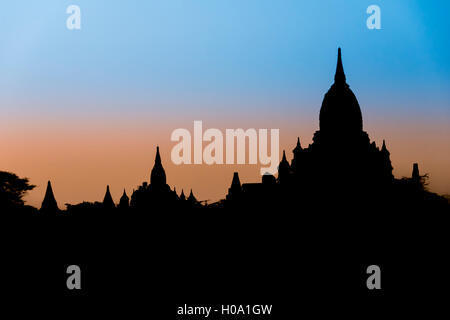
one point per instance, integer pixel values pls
(13, 189)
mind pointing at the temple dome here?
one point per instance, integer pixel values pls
(340, 112)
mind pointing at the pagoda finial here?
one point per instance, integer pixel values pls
(124, 201)
(236, 183)
(108, 202)
(158, 156)
(191, 197)
(298, 148)
(158, 175)
(339, 77)
(49, 203)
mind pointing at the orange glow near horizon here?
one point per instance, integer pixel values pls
(82, 157)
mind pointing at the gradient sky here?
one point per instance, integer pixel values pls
(86, 108)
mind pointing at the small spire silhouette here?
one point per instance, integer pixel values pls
(108, 202)
(158, 156)
(283, 169)
(158, 175)
(49, 203)
(236, 183)
(298, 146)
(191, 197)
(383, 148)
(124, 200)
(284, 157)
(339, 77)
(182, 196)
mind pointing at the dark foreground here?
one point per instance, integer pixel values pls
(305, 261)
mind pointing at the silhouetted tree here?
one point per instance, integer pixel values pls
(13, 189)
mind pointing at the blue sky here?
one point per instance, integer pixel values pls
(226, 49)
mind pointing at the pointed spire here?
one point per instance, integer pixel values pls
(384, 148)
(236, 183)
(235, 190)
(298, 147)
(283, 168)
(124, 201)
(158, 175)
(182, 196)
(49, 203)
(339, 77)
(158, 156)
(108, 202)
(191, 197)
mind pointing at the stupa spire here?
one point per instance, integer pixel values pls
(283, 169)
(284, 157)
(158, 175)
(298, 147)
(339, 77)
(182, 196)
(108, 202)
(383, 147)
(124, 201)
(49, 203)
(191, 197)
(158, 156)
(236, 183)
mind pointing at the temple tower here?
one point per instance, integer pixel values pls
(49, 204)
(108, 202)
(158, 175)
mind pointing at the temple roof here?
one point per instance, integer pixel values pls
(298, 147)
(49, 203)
(340, 110)
(158, 175)
(236, 183)
(107, 200)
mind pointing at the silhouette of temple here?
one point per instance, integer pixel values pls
(108, 202)
(49, 204)
(149, 197)
(124, 203)
(158, 194)
(341, 156)
(340, 165)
